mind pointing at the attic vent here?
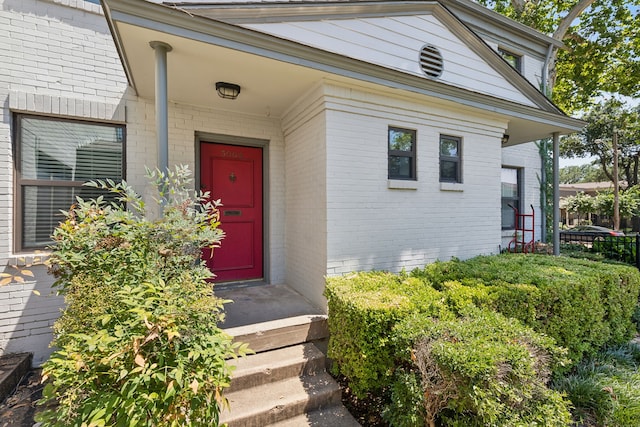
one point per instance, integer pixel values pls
(431, 61)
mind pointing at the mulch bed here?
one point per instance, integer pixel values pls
(367, 411)
(19, 408)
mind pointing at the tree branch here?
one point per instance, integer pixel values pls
(565, 23)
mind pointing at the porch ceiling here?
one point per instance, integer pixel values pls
(268, 87)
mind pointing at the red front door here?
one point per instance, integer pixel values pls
(233, 174)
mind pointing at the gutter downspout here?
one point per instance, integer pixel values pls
(162, 103)
(556, 193)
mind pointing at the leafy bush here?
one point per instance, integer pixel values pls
(484, 369)
(363, 309)
(138, 343)
(620, 248)
(406, 407)
(605, 388)
(582, 304)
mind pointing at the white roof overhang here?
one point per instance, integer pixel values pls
(273, 72)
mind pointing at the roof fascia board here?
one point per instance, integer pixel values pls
(262, 12)
(172, 21)
(480, 47)
(259, 13)
(117, 39)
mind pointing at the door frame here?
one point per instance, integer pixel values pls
(216, 138)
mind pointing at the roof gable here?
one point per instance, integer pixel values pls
(395, 42)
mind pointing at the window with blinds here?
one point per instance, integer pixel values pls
(55, 157)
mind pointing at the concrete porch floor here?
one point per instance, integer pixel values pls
(259, 302)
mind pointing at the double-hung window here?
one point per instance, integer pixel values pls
(55, 157)
(450, 159)
(511, 190)
(402, 153)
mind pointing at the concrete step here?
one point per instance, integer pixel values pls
(281, 333)
(276, 402)
(334, 416)
(276, 365)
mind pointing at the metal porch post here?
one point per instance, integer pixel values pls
(162, 103)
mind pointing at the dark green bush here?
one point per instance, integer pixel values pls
(580, 304)
(584, 305)
(138, 343)
(483, 369)
(363, 309)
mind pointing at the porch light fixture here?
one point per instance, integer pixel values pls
(227, 90)
(505, 139)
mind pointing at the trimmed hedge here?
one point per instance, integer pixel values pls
(482, 369)
(581, 304)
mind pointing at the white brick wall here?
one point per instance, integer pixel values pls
(306, 198)
(56, 58)
(371, 226)
(26, 318)
(335, 213)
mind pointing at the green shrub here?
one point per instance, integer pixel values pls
(577, 303)
(605, 388)
(406, 408)
(484, 369)
(138, 343)
(618, 248)
(363, 309)
(584, 305)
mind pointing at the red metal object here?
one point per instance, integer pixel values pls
(525, 232)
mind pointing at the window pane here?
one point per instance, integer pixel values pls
(400, 140)
(508, 215)
(41, 208)
(448, 147)
(400, 167)
(513, 59)
(448, 170)
(510, 196)
(509, 182)
(70, 151)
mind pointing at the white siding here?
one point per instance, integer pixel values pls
(371, 226)
(395, 42)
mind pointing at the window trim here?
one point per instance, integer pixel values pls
(518, 58)
(20, 183)
(519, 186)
(456, 159)
(399, 153)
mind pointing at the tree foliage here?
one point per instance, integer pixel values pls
(603, 41)
(602, 203)
(597, 137)
(582, 173)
